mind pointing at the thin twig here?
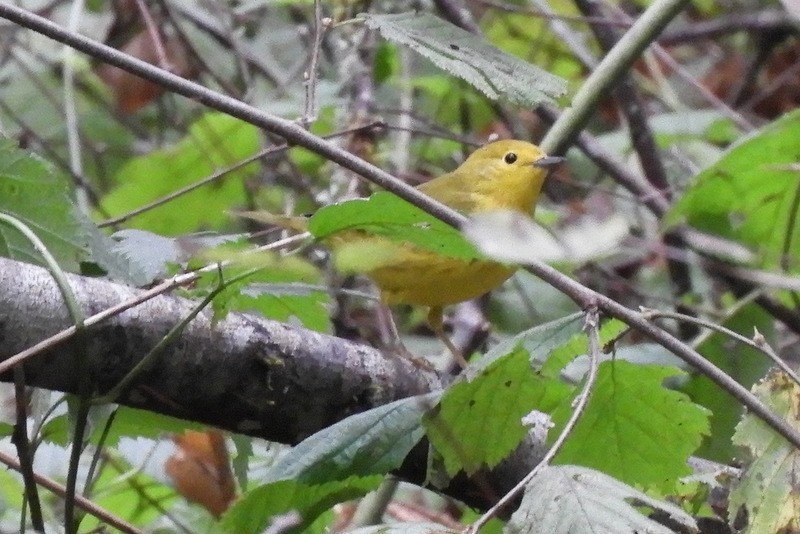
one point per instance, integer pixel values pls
(758, 342)
(310, 76)
(155, 36)
(221, 174)
(25, 452)
(293, 132)
(372, 507)
(84, 504)
(70, 107)
(548, 14)
(592, 326)
(163, 287)
(678, 69)
(568, 35)
(766, 21)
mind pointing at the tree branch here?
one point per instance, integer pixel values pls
(245, 374)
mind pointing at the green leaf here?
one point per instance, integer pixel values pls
(131, 499)
(634, 428)
(469, 57)
(580, 500)
(369, 443)
(479, 422)
(37, 196)
(285, 288)
(254, 510)
(386, 62)
(214, 142)
(341, 462)
(385, 214)
(751, 195)
(150, 255)
(540, 341)
(579, 345)
(241, 460)
(767, 489)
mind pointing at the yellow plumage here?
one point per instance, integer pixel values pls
(501, 175)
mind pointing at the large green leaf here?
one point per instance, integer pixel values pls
(387, 215)
(479, 422)
(369, 443)
(214, 142)
(470, 57)
(634, 428)
(33, 193)
(575, 500)
(341, 462)
(752, 194)
(254, 510)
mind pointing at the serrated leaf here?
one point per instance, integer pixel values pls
(254, 510)
(767, 489)
(750, 195)
(462, 54)
(385, 214)
(579, 500)
(634, 428)
(31, 192)
(540, 341)
(372, 442)
(213, 142)
(478, 423)
(579, 345)
(117, 265)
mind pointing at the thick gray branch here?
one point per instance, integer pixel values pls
(246, 374)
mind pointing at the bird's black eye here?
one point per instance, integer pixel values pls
(510, 158)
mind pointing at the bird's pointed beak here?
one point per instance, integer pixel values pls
(548, 162)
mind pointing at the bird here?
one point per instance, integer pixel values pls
(501, 175)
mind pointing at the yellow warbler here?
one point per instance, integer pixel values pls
(501, 175)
